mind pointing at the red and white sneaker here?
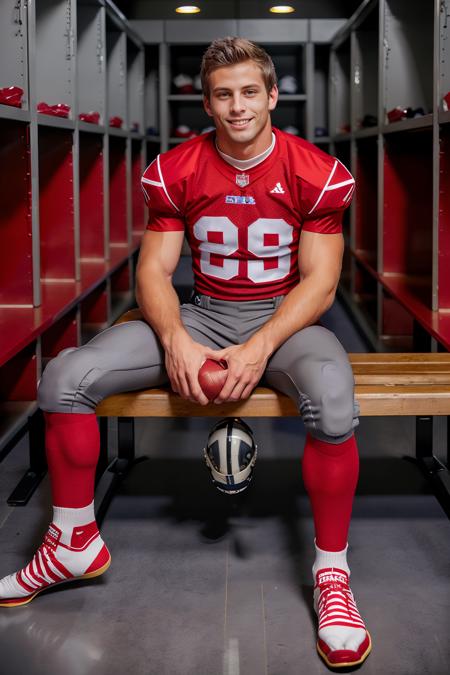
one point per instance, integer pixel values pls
(60, 558)
(343, 639)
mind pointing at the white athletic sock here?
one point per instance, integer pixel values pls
(330, 559)
(338, 605)
(66, 519)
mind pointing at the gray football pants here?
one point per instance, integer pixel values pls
(311, 366)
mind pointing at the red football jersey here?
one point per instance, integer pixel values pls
(244, 227)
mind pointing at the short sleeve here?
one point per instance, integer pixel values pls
(164, 214)
(324, 201)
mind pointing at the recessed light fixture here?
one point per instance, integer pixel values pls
(187, 9)
(282, 9)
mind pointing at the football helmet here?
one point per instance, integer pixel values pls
(230, 455)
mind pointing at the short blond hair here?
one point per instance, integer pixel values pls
(229, 51)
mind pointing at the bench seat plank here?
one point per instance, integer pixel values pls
(373, 399)
(386, 384)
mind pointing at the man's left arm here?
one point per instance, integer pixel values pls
(320, 262)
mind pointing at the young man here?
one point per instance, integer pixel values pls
(262, 212)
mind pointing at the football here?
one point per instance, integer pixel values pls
(211, 377)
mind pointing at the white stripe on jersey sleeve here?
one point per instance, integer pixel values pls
(327, 187)
(164, 185)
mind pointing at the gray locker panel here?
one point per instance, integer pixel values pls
(151, 98)
(55, 52)
(116, 70)
(341, 87)
(182, 32)
(91, 58)
(321, 70)
(324, 30)
(13, 46)
(366, 77)
(408, 54)
(274, 30)
(135, 82)
(444, 48)
(150, 32)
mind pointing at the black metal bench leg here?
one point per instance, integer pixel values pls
(434, 471)
(38, 462)
(119, 467)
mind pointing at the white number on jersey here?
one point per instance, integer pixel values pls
(267, 238)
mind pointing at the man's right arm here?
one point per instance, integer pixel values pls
(158, 301)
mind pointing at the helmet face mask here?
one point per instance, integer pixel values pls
(230, 455)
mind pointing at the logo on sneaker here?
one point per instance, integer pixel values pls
(52, 536)
(278, 189)
(78, 532)
(327, 577)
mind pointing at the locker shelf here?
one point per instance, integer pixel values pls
(56, 122)
(444, 117)
(366, 133)
(10, 113)
(424, 122)
(120, 133)
(91, 128)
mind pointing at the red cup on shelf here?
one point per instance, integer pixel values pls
(446, 101)
(183, 131)
(11, 96)
(397, 114)
(116, 121)
(57, 110)
(92, 117)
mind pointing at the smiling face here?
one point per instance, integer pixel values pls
(240, 107)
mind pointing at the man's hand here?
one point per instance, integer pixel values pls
(246, 365)
(184, 358)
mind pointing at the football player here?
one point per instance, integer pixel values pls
(262, 212)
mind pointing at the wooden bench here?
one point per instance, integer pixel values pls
(386, 384)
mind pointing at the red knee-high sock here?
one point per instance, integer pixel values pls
(330, 474)
(73, 446)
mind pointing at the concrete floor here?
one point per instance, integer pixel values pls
(178, 600)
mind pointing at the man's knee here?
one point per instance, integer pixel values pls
(59, 386)
(330, 413)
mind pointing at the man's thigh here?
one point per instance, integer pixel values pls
(313, 369)
(126, 357)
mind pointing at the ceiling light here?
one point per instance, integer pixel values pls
(188, 9)
(282, 9)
